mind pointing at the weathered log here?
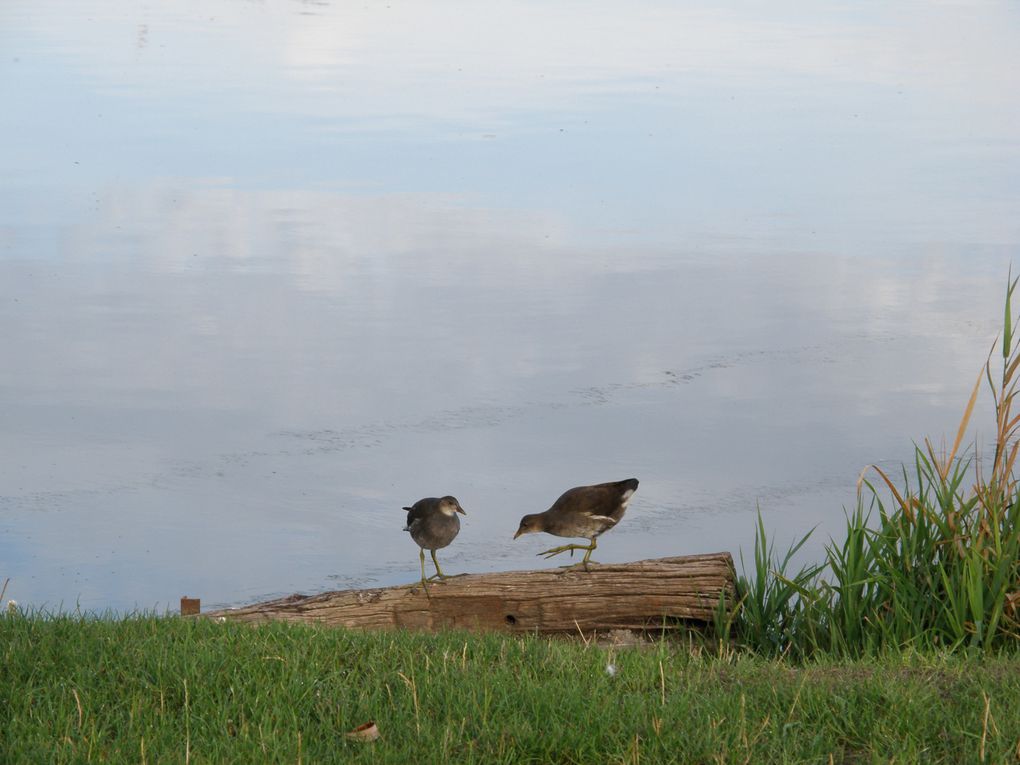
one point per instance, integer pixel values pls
(663, 593)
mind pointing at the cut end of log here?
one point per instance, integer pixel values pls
(657, 594)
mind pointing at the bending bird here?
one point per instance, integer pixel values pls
(584, 511)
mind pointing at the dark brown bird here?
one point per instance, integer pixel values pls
(584, 511)
(433, 524)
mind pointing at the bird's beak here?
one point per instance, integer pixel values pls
(461, 510)
(519, 532)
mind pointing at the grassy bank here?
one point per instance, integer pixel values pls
(172, 690)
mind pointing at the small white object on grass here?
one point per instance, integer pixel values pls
(611, 670)
(364, 732)
(12, 606)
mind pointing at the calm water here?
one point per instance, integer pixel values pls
(271, 270)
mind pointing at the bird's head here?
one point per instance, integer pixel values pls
(449, 505)
(530, 524)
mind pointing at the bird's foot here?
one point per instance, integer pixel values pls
(424, 587)
(580, 564)
(564, 548)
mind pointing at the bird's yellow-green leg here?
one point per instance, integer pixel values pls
(587, 555)
(439, 572)
(562, 549)
(424, 581)
(587, 551)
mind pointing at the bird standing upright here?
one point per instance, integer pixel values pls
(584, 511)
(433, 524)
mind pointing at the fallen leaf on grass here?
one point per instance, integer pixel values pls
(365, 732)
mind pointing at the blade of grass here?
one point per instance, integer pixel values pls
(964, 422)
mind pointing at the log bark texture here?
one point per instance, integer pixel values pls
(648, 594)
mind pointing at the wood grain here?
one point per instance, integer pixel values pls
(658, 593)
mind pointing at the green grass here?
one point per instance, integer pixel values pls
(150, 689)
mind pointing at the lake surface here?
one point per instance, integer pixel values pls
(270, 271)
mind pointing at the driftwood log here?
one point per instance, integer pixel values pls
(663, 593)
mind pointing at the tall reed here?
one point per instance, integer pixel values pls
(937, 566)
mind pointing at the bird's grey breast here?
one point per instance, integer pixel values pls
(435, 530)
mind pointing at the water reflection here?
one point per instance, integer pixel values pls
(191, 412)
(251, 309)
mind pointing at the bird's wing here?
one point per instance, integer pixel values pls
(417, 511)
(604, 500)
